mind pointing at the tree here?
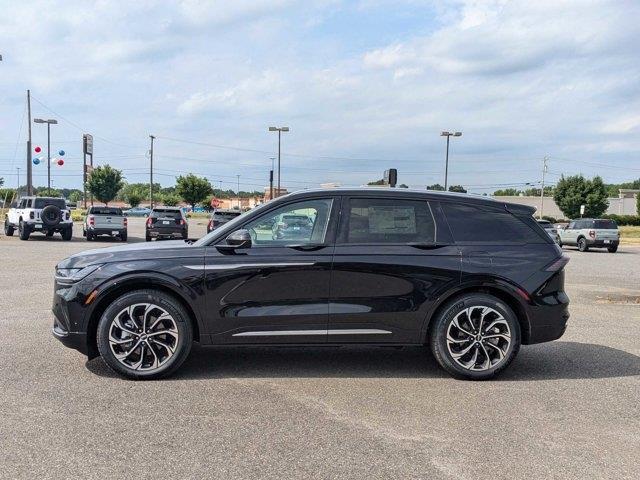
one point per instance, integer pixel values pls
(193, 189)
(104, 183)
(171, 199)
(377, 182)
(457, 188)
(75, 196)
(435, 186)
(507, 192)
(638, 204)
(133, 199)
(571, 192)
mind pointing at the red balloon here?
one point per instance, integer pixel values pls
(37, 149)
(60, 162)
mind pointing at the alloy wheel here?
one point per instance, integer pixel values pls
(143, 337)
(478, 338)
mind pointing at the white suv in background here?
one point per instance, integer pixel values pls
(39, 214)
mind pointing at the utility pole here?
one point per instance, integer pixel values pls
(151, 172)
(544, 170)
(239, 208)
(29, 158)
(18, 188)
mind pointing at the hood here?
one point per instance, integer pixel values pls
(121, 253)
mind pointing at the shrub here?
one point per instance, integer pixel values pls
(631, 220)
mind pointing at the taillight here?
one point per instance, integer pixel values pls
(182, 222)
(210, 226)
(31, 215)
(558, 264)
(592, 233)
(125, 221)
(149, 221)
(68, 216)
(92, 220)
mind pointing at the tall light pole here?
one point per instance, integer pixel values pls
(544, 170)
(273, 159)
(49, 123)
(446, 165)
(151, 171)
(279, 130)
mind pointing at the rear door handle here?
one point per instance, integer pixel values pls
(306, 247)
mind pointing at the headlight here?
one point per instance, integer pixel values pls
(75, 274)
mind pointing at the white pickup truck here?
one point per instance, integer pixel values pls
(105, 221)
(39, 214)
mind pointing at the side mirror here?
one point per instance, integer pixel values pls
(239, 239)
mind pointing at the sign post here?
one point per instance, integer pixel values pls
(581, 210)
(87, 149)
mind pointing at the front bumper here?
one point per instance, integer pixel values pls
(64, 328)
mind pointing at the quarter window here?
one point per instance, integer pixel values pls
(373, 220)
(297, 223)
(471, 224)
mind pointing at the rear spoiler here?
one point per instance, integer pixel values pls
(519, 209)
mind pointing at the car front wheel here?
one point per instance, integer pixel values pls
(144, 334)
(475, 336)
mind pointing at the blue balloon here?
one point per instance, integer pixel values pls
(61, 153)
(36, 161)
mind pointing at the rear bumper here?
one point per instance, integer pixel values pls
(548, 319)
(598, 243)
(107, 231)
(36, 226)
(164, 233)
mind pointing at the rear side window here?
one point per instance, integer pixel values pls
(605, 224)
(389, 221)
(472, 224)
(225, 215)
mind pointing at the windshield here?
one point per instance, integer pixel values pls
(605, 224)
(43, 202)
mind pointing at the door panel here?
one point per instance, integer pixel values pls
(276, 291)
(382, 292)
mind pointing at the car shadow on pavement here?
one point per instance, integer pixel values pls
(552, 361)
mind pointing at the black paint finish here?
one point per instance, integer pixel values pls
(325, 288)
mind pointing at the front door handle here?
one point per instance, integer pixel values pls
(306, 247)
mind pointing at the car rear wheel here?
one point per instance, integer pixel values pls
(145, 334)
(8, 229)
(613, 249)
(582, 245)
(23, 231)
(123, 236)
(475, 336)
(67, 234)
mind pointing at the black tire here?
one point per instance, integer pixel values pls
(162, 300)
(440, 326)
(147, 237)
(185, 235)
(612, 249)
(51, 215)
(67, 234)
(49, 233)
(8, 229)
(89, 236)
(123, 236)
(23, 231)
(582, 244)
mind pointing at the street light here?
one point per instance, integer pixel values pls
(49, 123)
(446, 167)
(279, 130)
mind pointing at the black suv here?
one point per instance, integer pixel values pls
(470, 277)
(166, 222)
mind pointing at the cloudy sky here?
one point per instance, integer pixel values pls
(363, 85)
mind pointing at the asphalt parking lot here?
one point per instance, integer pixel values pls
(567, 409)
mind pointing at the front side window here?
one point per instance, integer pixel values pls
(391, 221)
(474, 224)
(297, 223)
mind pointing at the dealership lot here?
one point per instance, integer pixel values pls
(567, 409)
